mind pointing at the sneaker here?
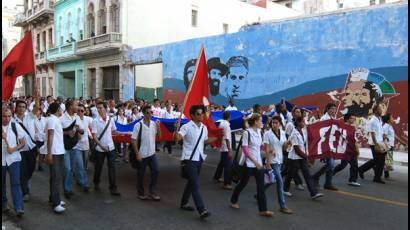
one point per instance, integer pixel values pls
(288, 194)
(299, 187)
(26, 197)
(266, 213)
(187, 207)
(19, 213)
(154, 197)
(354, 184)
(234, 206)
(286, 211)
(115, 193)
(142, 197)
(205, 214)
(318, 195)
(59, 209)
(331, 188)
(227, 187)
(62, 203)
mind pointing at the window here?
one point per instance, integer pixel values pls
(81, 36)
(382, 1)
(194, 18)
(102, 15)
(372, 2)
(43, 86)
(69, 23)
(78, 18)
(288, 4)
(340, 5)
(38, 43)
(60, 30)
(44, 40)
(90, 21)
(50, 38)
(225, 28)
(115, 18)
(61, 40)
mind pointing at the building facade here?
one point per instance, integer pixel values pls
(37, 17)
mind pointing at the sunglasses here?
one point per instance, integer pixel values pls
(199, 114)
(150, 112)
(81, 110)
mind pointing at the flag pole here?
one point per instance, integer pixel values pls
(190, 84)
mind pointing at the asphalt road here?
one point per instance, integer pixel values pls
(372, 206)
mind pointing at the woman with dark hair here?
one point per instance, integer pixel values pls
(251, 144)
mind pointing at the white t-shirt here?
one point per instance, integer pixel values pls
(98, 126)
(53, 123)
(190, 133)
(376, 126)
(84, 124)
(275, 143)
(225, 125)
(6, 158)
(157, 111)
(389, 132)
(289, 128)
(122, 121)
(148, 135)
(39, 125)
(67, 120)
(94, 112)
(168, 115)
(254, 146)
(297, 139)
(28, 122)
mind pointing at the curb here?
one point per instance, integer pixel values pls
(398, 163)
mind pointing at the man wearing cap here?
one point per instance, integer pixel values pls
(216, 71)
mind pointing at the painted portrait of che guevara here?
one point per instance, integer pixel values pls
(189, 71)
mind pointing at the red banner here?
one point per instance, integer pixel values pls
(331, 138)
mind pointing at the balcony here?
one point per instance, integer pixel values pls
(19, 20)
(40, 11)
(40, 58)
(106, 43)
(64, 52)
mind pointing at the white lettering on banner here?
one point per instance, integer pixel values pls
(322, 132)
(341, 146)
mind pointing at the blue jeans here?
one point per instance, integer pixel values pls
(16, 193)
(152, 163)
(192, 186)
(279, 184)
(74, 157)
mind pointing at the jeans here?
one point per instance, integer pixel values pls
(192, 186)
(168, 146)
(294, 166)
(27, 167)
(377, 162)
(99, 162)
(354, 170)
(224, 165)
(328, 169)
(260, 187)
(279, 184)
(56, 175)
(152, 163)
(16, 194)
(74, 158)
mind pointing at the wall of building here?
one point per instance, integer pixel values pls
(64, 24)
(72, 68)
(305, 60)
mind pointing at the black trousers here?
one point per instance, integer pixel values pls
(28, 165)
(294, 166)
(99, 162)
(377, 163)
(260, 187)
(354, 168)
(168, 146)
(285, 169)
(56, 176)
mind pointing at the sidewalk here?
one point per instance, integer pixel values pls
(400, 158)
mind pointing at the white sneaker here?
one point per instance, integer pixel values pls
(287, 194)
(318, 195)
(299, 187)
(62, 203)
(59, 209)
(354, 184)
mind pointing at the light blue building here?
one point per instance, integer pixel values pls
(69, 28)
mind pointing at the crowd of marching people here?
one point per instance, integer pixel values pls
(67, 134)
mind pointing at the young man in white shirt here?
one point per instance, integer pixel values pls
(82, 147)
(145, 153)
(105, 147)
(12, 143)
(231, 106)
(225, 162)
(376, 145)
(168, 114)
(330, 113)
(55, 155)
(26, 120)
(190, 134)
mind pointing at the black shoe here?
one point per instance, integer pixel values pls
(205, 214)
(330, 187)
(361, 175)
(97, 188)
(86, 189)
(187, 208)
(40, 168)
(68, 195)
(379, 181)
(115, 193)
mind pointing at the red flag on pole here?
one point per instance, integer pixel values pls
(198, 94)
(19, 61)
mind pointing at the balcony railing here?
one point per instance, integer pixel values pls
(39, 8)
(61, 52)
(19, 19)
(96, 42)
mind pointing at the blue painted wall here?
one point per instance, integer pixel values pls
(298, 57)
(68, 19)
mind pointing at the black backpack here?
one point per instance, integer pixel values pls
(131, 153)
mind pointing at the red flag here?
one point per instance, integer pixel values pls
(198, 94)
(19, 61)
(331, 138)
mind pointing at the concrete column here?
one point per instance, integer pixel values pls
(86, 82)
(109, 19)
(98, 81)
